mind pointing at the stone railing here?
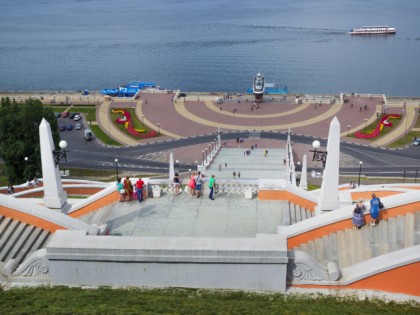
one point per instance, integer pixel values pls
(227, 186)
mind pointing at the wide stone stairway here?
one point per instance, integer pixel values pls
(352, 246)
(256, 165)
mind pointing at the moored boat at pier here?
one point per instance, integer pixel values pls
(258, 87)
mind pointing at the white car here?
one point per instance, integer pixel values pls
(78, 126)
(77, 117)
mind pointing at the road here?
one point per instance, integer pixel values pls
(94, 155)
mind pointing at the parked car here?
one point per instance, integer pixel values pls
(62, 127)
(57, 115)
(78, 126)
(71, 115)
(65, 114)
(416, 141)
(77, 117)
(69, 127)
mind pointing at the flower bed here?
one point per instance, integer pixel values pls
(384, 122)
(128, 124)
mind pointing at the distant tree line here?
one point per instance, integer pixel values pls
(19, 138)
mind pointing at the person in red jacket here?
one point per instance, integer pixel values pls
(139, 186)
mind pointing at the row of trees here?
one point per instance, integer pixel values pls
(19, 137)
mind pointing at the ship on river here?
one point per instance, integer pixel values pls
(258, 87)
(373, 30)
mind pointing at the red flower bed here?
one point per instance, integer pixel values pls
(126, 121)
(381, 124)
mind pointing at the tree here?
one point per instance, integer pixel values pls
(19, 137)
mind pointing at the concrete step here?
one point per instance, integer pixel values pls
(401, 231)
(383, 235)
(311, 248)
(358, 246)
(286, 214)
(298, 214)
(417, 228)
(374, 237)
(409, 230)
(392, 234)
(7, 234)
(292, 213)
(3, 227)
(342, 249)
(23, 238)
(319, 251)
(28, 246)
(326, 247)
(12, 239)
(366, 248)
(334, 248)
(349, 246)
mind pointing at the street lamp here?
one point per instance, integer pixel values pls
(377, 116)
(206, 155)
(158, 125)
(142, 120)
(348, 130)
(177, 166)
(202, 151)
(360, 172)
(60, 155)
(116, 167)
(319, 155)
(196, 166)
(366, 120)
(405, 129)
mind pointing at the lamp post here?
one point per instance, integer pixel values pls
(177, 166)
(116, 167)
(377, 116)
(60, 155)
(360, 172)
(206, 156)
(26, 165)
(202, 151)
(196, 166)
(405, 128)
(158, 125)
(348, 130)
(366, 120)
(142, 121)
(319, 155)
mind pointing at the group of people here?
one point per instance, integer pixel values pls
(128, 191)
(195, 184)
(358, 212)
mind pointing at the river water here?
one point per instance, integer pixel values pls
(209, 45)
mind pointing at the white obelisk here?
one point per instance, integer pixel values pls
(304, 174)
(54, 195)
(328, 197)
(171, 166)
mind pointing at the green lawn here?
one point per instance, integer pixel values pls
(103, 136)
(62, 300)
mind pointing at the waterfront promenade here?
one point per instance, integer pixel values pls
(200, 113)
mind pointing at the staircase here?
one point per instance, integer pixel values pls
(352, 246)
(18, 240)
(295, 213)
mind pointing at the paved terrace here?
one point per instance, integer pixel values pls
(185, 215)
(202, 115)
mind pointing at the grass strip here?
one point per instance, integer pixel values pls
(63, 300)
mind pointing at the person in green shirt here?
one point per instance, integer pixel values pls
(211, 186)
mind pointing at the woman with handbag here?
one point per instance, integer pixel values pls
(374, 209)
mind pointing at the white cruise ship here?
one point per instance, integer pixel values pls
(373, 30)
